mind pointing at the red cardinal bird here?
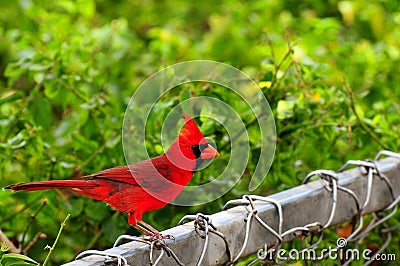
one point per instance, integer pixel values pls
(144, 186)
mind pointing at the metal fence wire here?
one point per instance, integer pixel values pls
(260, 225)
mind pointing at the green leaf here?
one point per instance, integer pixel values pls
(84, 143)
(11, 259)
(41, 112)
(285, 109)
(74, 206)
(97, 211)
(16, 142)
(4, 247)
(52, 88)
(10, 96)
(114, 227)
(184, 95)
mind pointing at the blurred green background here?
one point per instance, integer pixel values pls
(329, 69)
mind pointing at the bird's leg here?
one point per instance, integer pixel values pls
(149, 228)
(145, 230)
(151, 231)
(135, 219)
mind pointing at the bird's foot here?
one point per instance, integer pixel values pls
(158, 236)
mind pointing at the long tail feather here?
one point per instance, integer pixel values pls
(43, 185)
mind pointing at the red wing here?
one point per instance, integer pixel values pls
(119, 173)
(143, 173)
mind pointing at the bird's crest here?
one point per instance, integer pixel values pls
(190, 131)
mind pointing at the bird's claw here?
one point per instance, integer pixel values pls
(159, 237)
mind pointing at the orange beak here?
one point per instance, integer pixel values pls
(209, 152)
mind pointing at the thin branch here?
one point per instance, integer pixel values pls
(10, 245)
(360, 121)
(252, 122)
(278, 81)
(288, 52)
(38, 236)
(56, 241)
(94, 240)
(32, 218)
(92, 156)
(84, 98)
(271, 47)
(279, 64)
(27, 206)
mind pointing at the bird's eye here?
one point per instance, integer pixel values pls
(196, 150)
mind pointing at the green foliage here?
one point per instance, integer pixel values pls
(68, 69)
(16, 260)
